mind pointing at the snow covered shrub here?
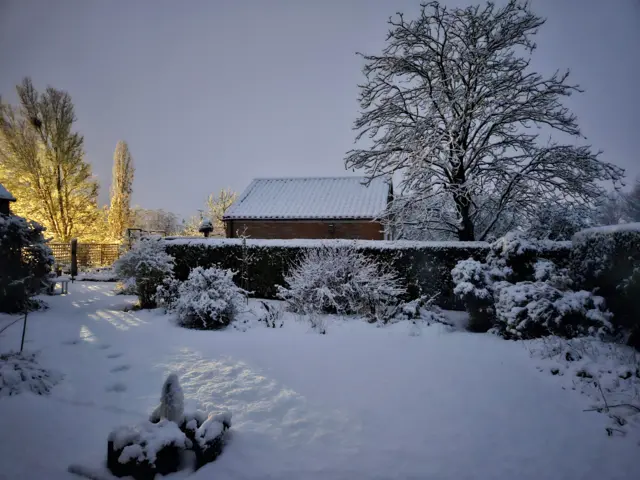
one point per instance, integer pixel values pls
(607, 260)
(537, 309)
(208, 299)
(341, 280)
(20, 372)
(167, 293)
(525, 295)
(272, 316)
(126, 287)
(26, 261)
(422, 309)
(149, 264)
(171, 401)
(474, 286)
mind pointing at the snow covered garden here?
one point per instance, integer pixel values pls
(345, 376)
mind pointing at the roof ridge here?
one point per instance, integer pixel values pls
(313, 177)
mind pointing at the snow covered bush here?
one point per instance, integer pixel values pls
(474, 286)
(149, 264)
(26, 261)
(537, 309)
(607, 260)
(167, 293)
(20, 372)
(524, 296)
(343, 281)
(208, 299)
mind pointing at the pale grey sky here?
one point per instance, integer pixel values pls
(210, 94)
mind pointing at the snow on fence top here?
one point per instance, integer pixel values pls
(308, 243)
(5, 195)
(608, 229)
(311, 198)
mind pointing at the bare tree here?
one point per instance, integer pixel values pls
(121, 189)
(158, 220)
(42, 161)
(216, 206)
(633, 203)
(452, 107)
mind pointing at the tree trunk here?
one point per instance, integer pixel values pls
(466, 230)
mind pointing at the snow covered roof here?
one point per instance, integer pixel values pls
(308, 198)
(5, 195)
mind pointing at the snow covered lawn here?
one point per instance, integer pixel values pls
(358, 403)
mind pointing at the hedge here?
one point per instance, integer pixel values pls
(425, 266)
(607, 260)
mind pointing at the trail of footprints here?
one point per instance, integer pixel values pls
(116, 386)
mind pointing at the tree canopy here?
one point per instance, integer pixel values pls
(453, 107)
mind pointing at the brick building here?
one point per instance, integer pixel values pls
(321, 207)
(5, 200)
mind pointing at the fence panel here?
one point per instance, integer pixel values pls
(89, 254)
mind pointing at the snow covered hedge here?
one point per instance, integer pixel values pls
(424, 267)
(26, 261)
(607, 260)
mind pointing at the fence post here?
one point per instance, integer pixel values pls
(74, 258)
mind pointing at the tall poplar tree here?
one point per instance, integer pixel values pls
(121, 189)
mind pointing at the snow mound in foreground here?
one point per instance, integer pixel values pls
(143, 441)
(20, 372)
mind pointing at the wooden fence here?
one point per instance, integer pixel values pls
(89, 254)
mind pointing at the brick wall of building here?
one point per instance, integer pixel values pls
(287, 229)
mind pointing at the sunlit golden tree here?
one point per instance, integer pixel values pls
(42, 163)
(121, 189)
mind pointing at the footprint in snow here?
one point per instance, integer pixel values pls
(75, 341)
(114, 355)
(117, 387)
(104, 346)
(121, 368)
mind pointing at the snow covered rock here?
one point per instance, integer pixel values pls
(171, 402)
(145, 449)
(210, 437)
(21, 373)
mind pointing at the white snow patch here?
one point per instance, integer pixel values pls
(359, 402)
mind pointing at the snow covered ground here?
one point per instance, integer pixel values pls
(358, 403)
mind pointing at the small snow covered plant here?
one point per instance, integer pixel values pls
(473, 285)
(149, 264)
(208, 299)
(343, 281)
